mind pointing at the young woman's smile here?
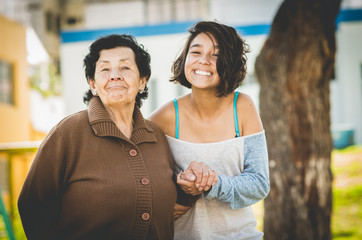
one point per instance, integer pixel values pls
(200, 65)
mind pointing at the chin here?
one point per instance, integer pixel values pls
(204, 86)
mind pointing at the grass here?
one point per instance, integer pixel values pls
(347, 193)
(346, 220)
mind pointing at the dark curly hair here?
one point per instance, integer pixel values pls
(143, 60)
(231, 62)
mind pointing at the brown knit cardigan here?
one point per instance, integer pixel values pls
(88, 181)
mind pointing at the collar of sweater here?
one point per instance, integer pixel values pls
(103, 125)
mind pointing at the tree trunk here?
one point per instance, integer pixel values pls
(294, 69)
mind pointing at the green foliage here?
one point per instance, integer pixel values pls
(51, 88)
(17, 228)
(347, 204)
(349, 150)
(347, 213)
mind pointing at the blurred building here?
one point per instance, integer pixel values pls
(15, 124)
(29, 40)
(14, 90)
(44, 16)
(42, 20)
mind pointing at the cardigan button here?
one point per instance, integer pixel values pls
(145, 216)
(145, 181)
(133, 152)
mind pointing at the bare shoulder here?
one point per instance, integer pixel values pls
(165, 118)
(248, 115)
(245, 103)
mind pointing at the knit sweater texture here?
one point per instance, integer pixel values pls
(88, 181)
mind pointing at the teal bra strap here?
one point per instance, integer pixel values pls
(236, 122)
(177, 118)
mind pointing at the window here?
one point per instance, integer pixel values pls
(58, 24)
(6, 83)
(49, 21)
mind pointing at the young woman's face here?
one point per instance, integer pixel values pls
(117, 78)
(200, 66)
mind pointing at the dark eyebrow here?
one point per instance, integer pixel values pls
(120, 61)
(125, 60)
(199, 45)
(195, 45)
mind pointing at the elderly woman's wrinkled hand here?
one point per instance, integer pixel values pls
(179, 210)
(186, 181)
(197, 178)
(205, 176)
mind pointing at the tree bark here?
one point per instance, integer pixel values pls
(294, 69)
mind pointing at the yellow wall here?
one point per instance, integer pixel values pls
(15, 119)
(20, 165)
(15, 124)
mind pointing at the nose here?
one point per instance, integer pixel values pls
(115, 75)
(204, 59)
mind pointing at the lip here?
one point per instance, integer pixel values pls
(116, 87)
(200, 72)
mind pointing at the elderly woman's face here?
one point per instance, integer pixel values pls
(117, 79)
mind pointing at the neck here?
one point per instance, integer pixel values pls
(122, 117)
(207, 104)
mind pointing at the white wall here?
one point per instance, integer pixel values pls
(100, 15)
(244, 12)
(347, 94)
(73, 77)
(163, 51)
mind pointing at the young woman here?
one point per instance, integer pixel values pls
(215, 126)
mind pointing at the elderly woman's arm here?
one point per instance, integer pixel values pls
(184, 201)
(252, 185)
(188, 193)
(40, 199)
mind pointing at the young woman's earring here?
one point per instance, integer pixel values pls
(94, 92)
(140, 91)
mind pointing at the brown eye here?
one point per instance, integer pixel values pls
(195, 52)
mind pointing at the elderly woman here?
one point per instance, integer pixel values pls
(105, 172)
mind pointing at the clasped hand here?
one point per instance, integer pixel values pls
(197, 178)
